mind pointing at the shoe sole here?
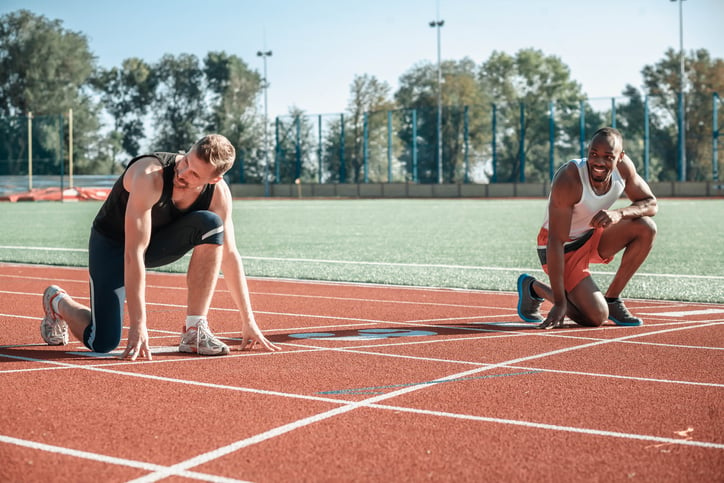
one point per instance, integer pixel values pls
(521, 279)
(626, 324)
(193, 350)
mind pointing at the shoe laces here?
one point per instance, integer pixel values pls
(204, 334)
(618, 305)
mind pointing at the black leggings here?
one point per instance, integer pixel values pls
(106, 267)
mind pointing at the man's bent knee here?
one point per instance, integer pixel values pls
(586, 304)
(647, 226)
(210, 227)
(101, 343)
(588, 318)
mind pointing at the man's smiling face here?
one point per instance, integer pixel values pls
(604, 154)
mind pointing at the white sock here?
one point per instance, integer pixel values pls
(56, 300)
(193, 320)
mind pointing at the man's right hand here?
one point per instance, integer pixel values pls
(137, 343)
(555, 316)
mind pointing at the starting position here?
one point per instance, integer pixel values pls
(161, 207)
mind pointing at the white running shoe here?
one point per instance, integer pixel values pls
(53, 329)
(200, 340)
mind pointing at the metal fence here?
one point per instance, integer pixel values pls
(481, 144)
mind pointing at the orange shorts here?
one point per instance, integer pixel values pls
(578, 254)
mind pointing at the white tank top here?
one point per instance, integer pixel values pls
(590, 203)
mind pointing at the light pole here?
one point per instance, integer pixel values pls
(265, 85)
(682, 118)
(437, 24)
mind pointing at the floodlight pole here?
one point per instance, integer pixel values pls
(437, 24)
(682, 118)
(265, 85)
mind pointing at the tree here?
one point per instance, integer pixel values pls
(179, 105)
(704, 76)
(368, 96)
(233, 90)
(418, 90)
(294, 147)
(532, 80)
(127, 94)
(43, 70)
(662, 146)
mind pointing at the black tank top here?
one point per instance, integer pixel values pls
(110, 220)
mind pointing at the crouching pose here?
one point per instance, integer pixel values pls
(581, 228)
(161, 207)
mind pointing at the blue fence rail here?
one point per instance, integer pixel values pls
(482, 144)
(498, 143)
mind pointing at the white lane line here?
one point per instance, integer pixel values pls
(110, 459)
(398, 264)
(372, 402)
(555, 427)
(286, 428)
(686, 313)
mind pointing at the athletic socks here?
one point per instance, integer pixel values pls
(193, 320)
(612, 299)
(56, 300)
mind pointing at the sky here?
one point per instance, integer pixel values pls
(319, 46)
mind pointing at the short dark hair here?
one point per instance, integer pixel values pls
(609, 132)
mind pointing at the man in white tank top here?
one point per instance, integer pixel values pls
(580, 228)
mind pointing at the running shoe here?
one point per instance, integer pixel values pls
(53, 329)
(619, 314)
(528, 305)
(200, 340)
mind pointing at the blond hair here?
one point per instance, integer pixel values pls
(216, 150)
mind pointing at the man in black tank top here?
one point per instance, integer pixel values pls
(161, 207)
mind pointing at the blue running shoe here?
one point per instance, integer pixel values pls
(619, 314)
(528, 305)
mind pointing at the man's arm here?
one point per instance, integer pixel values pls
(643, 201)
(566, 190)
(233, 270)
(144, 184)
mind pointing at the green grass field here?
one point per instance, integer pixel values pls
(480, 244)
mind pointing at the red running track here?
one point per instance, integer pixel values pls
(375, 383)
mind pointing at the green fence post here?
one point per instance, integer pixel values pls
(342, 167)
(365, 146)
(414, 145)
(298, 149)
(494, 144)
(521, 144)
(277, 149)
(30, 151)
(551, 140)
(319, 149)
(60, 154)
(466, 134)
(647, 135)
(715, 137)
(613, 112)
(389, 146)
(681, 142)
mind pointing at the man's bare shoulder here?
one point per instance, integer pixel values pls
(145, 173)
(566, 185)
(221, 201)
(626, 168)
